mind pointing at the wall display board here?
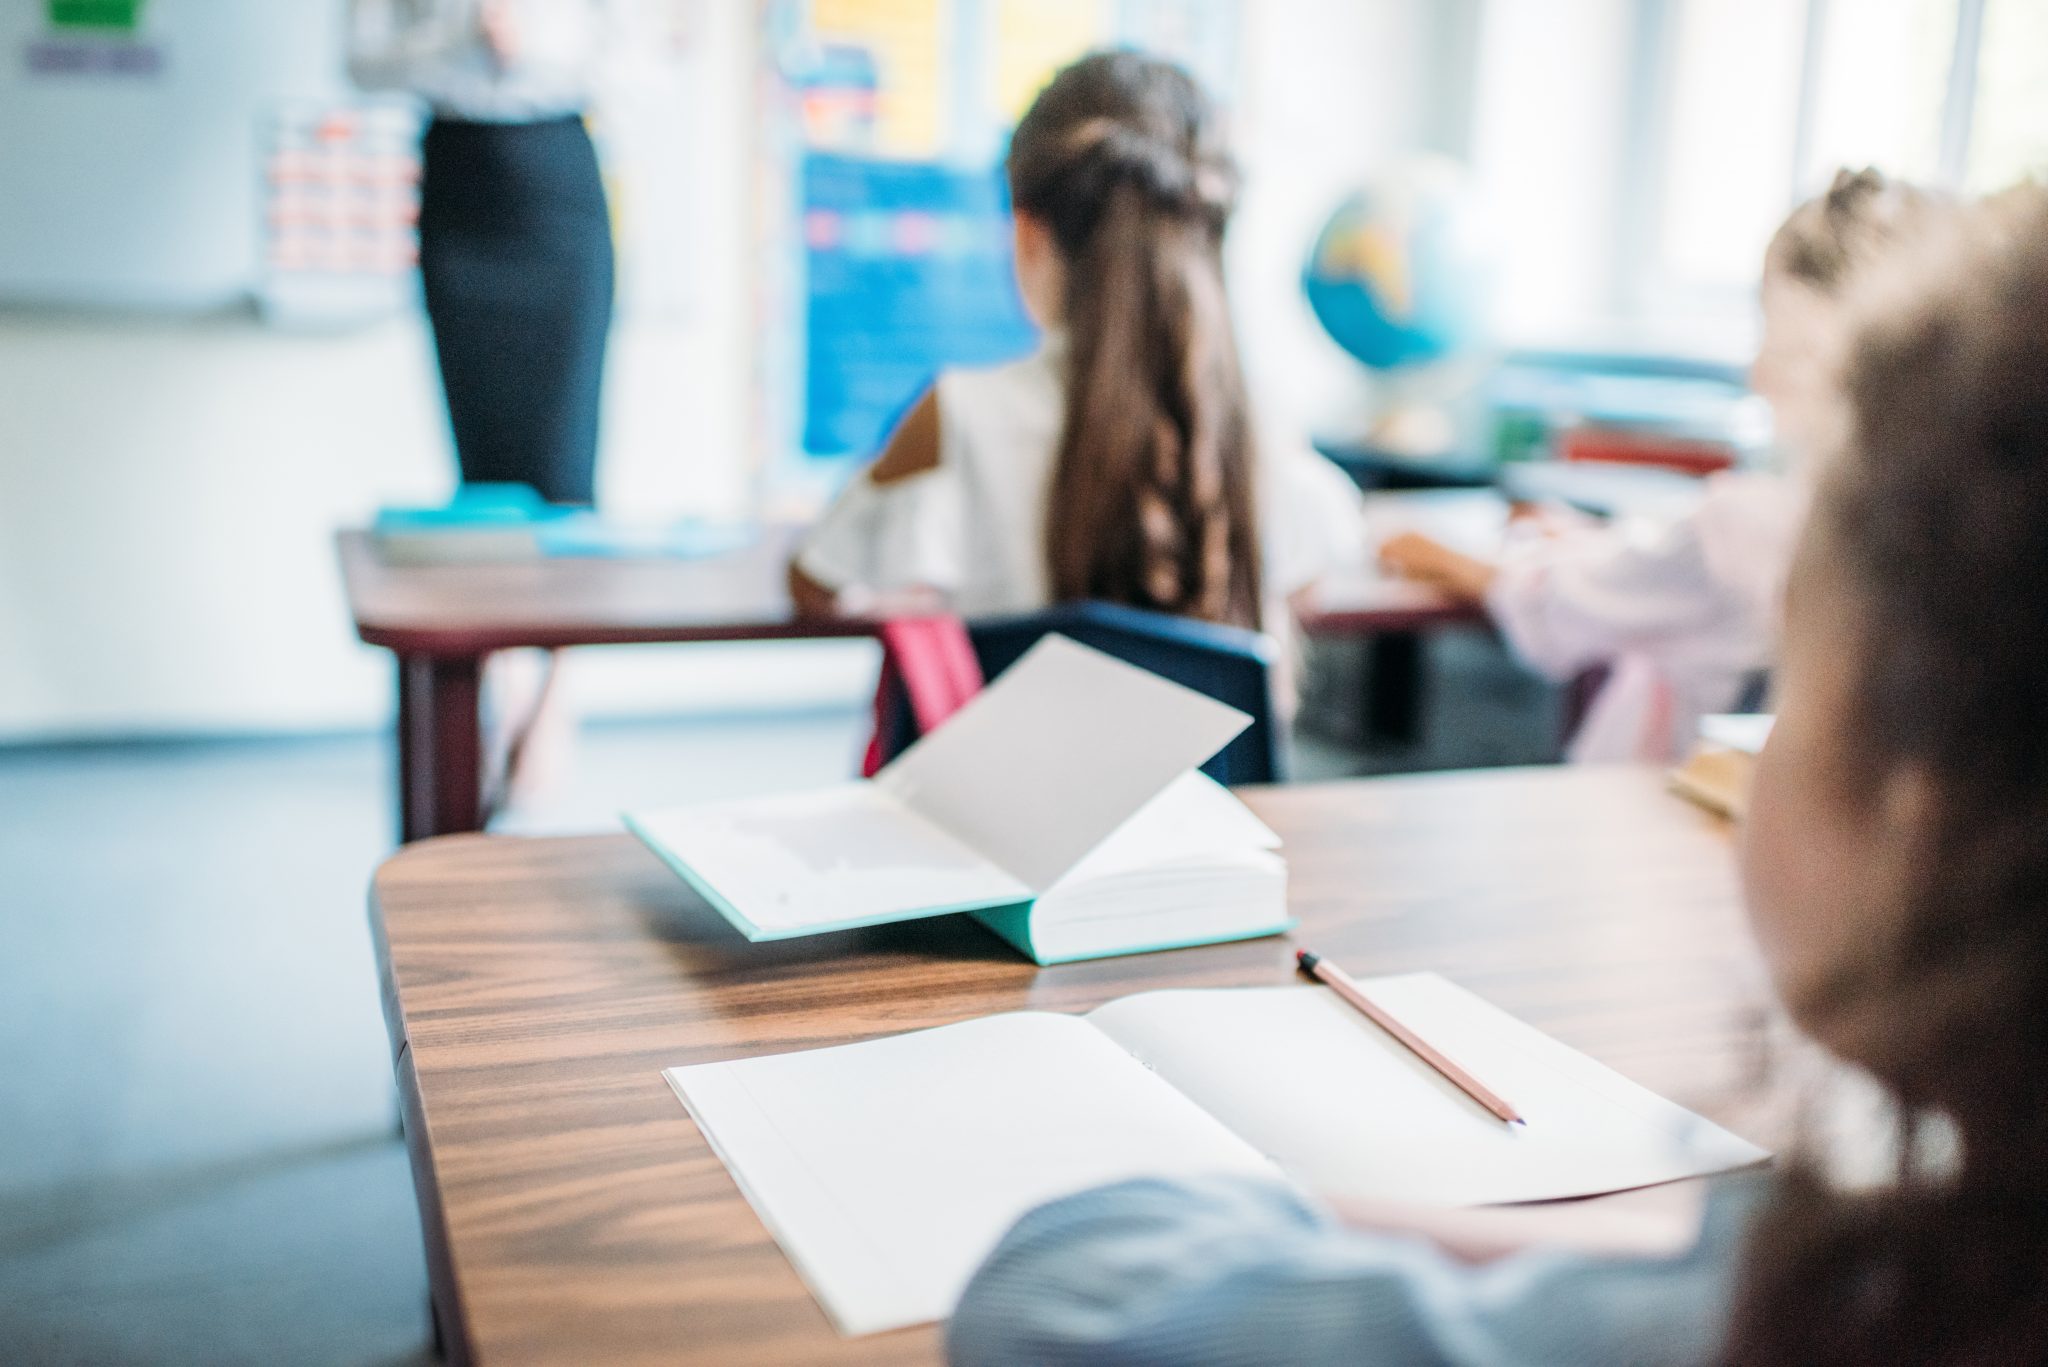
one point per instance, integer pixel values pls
(341, 210)
(93, 38)
(189, 156)
(131, 143)
(885, 213)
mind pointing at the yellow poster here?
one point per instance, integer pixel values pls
(1034, 39)
(906, 40)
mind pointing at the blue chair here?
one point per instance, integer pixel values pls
(1230, 664)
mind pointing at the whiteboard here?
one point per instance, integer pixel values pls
(142, 191)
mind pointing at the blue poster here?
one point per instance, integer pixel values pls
(908, 269)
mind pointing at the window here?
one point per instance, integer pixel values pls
(1765, 100)
(1728, 113)
(2008, 137)
(1880, 79)
(1727, 158)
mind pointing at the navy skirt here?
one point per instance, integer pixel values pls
(516, 261)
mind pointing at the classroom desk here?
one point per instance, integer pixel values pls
(443, 621)
(535, 989)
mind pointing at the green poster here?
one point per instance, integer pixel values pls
(114, 16)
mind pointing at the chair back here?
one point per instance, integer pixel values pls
(1230, 664)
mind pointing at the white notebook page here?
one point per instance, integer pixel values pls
(1192, 817)
(1344, 1108)
(1050, 758)
(839, 856)
(887, 1170)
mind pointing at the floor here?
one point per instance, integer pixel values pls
(198, 1160)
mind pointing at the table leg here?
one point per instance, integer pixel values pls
(1394, 687)
(440, 745)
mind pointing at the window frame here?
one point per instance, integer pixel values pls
(1644, 287)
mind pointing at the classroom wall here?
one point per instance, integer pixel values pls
(168, 487)
(1550, 131)
(1333, 92)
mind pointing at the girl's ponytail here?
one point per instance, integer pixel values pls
(1152, 501)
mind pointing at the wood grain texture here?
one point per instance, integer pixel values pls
(540, 986)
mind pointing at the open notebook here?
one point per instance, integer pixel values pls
(1061, 805)
(888, 1169)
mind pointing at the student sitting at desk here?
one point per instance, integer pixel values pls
(1896, 869)
(1686, 613)
(1119, 461)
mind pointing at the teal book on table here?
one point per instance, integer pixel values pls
(497, 523)
(1062, 807)
(481, 524)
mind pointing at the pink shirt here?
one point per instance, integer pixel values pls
(1684, 612)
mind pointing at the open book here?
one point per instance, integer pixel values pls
(888, 1169)
(1061, 805)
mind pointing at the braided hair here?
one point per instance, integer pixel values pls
(1152, 495)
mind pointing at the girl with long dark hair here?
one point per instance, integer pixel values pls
(1119, 462)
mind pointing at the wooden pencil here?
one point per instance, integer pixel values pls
(1340, 982)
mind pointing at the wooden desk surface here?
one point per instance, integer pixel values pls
(458, 610)
(570, 601)
(537, 988)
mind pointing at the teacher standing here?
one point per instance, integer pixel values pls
(515, 238)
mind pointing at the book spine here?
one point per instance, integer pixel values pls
(1014, 925)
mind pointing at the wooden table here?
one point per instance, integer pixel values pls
(535, 989)
(443, 621)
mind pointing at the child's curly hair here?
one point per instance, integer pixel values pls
(1825, 238)
(1934, 514)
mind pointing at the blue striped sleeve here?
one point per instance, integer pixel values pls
(1229, 1272)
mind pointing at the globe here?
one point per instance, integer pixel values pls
(1398, 276)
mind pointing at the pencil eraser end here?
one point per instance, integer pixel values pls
(1306, 960)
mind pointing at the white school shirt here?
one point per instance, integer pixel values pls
(435, 49)
(973, 527)
(1685, 611)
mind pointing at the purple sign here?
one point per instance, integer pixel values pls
(93, 57)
